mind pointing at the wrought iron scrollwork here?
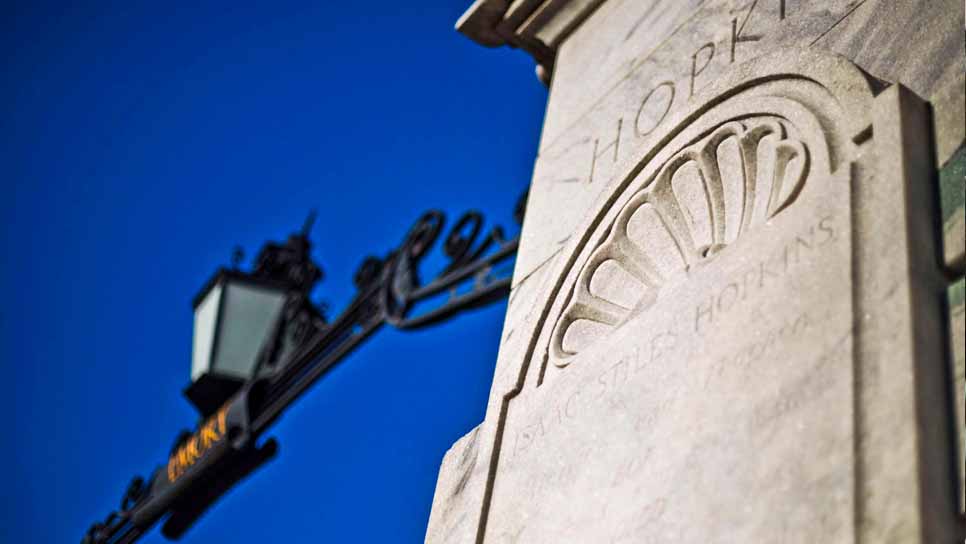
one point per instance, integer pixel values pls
(470, 257)
(303, 346)
(118, 520)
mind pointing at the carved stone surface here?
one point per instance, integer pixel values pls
(957, 330)
(629, 65)
(726, 323)
(701, 200)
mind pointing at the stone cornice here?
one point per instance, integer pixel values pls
(536, 26)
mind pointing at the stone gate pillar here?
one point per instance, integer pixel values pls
(743, 250)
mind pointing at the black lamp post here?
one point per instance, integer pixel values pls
(238, 319)
(260, 344)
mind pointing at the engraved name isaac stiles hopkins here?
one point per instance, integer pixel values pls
(695, 356)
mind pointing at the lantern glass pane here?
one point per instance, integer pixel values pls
(248, 315)
(205, 320)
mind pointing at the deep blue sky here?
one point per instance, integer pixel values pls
(140, 144)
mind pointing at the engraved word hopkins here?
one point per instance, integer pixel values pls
(701, 200)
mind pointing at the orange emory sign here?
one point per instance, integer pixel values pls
(212, 431)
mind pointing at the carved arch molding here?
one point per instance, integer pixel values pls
(730, 165)
(701, 200)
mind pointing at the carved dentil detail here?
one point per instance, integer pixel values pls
(701, 200)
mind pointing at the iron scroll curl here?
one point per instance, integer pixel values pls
(471, 256)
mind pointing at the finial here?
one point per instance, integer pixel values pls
(237, 256)
(307, 225)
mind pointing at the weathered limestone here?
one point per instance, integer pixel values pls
(957, 333)
(951, 184)
(727, 321)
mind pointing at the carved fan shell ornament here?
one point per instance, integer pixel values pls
(701, 200)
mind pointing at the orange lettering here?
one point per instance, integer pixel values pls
(192, 448)
(195, 447)
(222, 414)
(172, 470)
(183, 458)
(209, 435)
